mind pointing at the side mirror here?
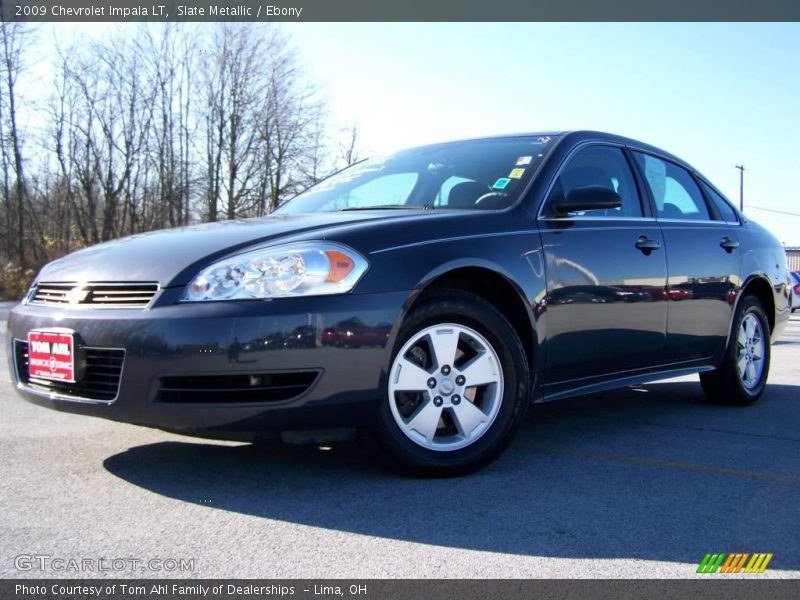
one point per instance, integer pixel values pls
(590, 197)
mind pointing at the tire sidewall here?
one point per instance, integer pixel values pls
(749, 306)
(483, 318)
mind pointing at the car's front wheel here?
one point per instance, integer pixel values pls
(741, 378)
(457, 388)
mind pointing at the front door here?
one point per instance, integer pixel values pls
(606, 274)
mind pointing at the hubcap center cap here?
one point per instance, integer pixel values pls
(446, 387)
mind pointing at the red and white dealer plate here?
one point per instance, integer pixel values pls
(51, 355)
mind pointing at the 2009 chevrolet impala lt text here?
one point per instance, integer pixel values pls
(426, 298)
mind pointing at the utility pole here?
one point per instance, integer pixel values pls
(741, 187)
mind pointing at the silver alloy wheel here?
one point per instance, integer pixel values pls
(445, 387)
(750, 351)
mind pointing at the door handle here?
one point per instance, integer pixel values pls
(647, 245)
(728, 244)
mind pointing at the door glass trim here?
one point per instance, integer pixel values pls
(606, 219)
(696, 222)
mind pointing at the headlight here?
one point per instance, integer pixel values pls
(303, 269)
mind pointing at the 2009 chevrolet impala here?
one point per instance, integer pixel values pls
(426, 297)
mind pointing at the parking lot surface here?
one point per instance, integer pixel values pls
(640, 482)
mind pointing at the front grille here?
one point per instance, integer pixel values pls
(100, 380)
(95, 295)
(259, 387)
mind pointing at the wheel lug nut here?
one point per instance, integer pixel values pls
(461, 380)
(445, 370)
(437, 401)
(431, 383)
(455, 399)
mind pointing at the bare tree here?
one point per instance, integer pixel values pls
(169, 57)
(290, 130)
(233, 68)
(348, 149)
(105, 111)
(264, 124)
(143, 130)
(14, 36)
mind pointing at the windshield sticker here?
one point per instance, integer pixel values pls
(501, 183)
(516, 173)
(524, 160)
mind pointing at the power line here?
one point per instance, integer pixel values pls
(772, 210)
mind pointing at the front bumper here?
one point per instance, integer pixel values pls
(237, 338)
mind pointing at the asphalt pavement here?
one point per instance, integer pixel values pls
(640, 482)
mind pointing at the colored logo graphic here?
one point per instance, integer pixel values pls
(735, 563)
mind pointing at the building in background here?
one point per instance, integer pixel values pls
(793, 257)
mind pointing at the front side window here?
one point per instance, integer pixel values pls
(673, 188)
(476, 174)
(604, 166)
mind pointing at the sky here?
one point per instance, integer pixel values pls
(717, 95)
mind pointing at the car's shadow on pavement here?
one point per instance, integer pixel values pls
(650, 473)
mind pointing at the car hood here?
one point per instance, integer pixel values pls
(173, 256)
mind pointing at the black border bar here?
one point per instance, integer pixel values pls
(400, 10)
(711, 587)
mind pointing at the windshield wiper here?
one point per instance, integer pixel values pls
(389, 207)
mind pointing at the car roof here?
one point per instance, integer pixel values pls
(626, 141)
(575, 136)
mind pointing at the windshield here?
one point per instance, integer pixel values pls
(477, 174)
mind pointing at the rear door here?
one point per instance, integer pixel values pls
(606, 272)
(703, 258)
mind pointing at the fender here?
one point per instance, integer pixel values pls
(449, 267)
(740, 294)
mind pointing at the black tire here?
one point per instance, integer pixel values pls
(725, 385)
(397, 449)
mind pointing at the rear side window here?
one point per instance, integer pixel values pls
(604, 166)
(674, 190)
(722, 206)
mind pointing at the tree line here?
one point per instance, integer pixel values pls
(152, 127)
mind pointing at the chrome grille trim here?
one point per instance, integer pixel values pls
(129, 294)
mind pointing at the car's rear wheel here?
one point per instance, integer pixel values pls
(457, 388)
(741, 378)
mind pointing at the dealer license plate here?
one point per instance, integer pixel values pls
(51, 355)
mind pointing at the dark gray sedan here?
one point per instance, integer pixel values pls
(426, 298)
